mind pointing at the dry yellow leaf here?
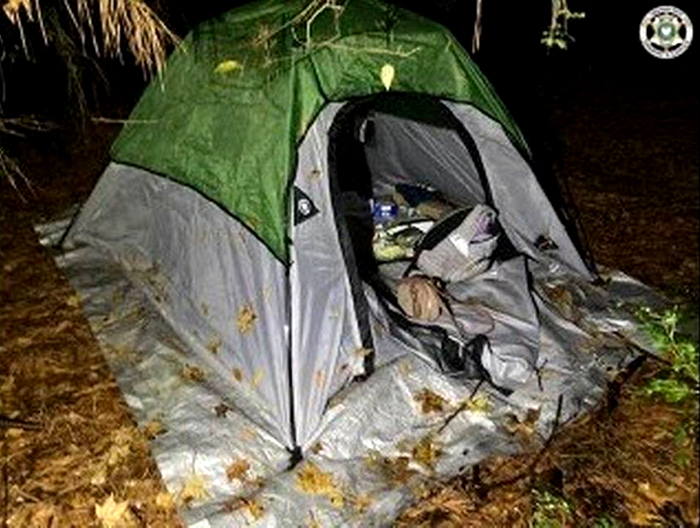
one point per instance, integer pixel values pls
(112, 514)
(117, 454)
(120, 449)
(153, 428)
(257, 378)
(394, 470)
(73, 301)
(426, 452)
(386, 74)
(246, 319)
(480, 404)
(192, 373)
(194, 489)
(430, 401)
(99, 474)
(228, 66)
(238, 470)
(252, 506)
(362, 503)
(164, 501)
(214, 345)
(310, 479)
(523, 429)
(313, 521)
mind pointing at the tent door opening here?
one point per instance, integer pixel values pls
(386, 152)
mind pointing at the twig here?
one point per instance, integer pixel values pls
(378, 51)
(476, 38)
(7, 422)
(461, 408)
(115, 121)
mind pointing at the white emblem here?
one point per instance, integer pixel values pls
(666, 32)
(304, 207)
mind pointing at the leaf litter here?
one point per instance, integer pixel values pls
(311, 479)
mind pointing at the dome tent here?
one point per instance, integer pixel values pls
(225, 195)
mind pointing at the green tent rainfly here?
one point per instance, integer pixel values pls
(241, 91)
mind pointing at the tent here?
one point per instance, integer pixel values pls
(227, 198)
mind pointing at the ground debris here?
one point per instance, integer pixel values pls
(192, 373)
(430, 401)
(193, 489)
(113, 514)
(246, 319)
(154, 428)
(250, 505)
(238, 470)
(395, 471)
(311, 479)
(427, 451)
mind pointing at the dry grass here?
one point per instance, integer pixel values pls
(123, 24)
(11, 170)
(619, 462)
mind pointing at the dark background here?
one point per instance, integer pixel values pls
(606, 46)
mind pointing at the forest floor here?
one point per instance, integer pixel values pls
(630, 162)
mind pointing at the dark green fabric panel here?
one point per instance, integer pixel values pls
(232, 107)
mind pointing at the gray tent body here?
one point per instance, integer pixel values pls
(289, 338)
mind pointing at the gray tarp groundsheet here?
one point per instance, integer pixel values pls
(585, 337)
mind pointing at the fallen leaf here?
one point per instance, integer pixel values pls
(394, 470)
(99, 474)
(362, 503)
(228, 66)
(194, 489)
(238, 374)
(430, 401)
(252, 506)
(221, 410)
(246, 319)
(310, 479)
(525, 428)
(480, 404)
(313, 521)
(165, 501)
(153, 428)
(214, 345)
(386, 74)
(238, 470)
(257, 378)
(73, 301)
(112, 514)
(192, 373)
(120, 449)
(426, 452)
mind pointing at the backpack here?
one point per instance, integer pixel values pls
(460, 245)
